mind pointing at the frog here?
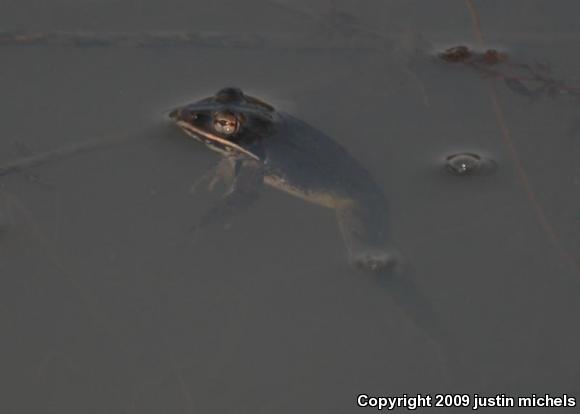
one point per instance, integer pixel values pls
(263, 147)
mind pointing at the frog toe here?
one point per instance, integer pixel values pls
(378, 261)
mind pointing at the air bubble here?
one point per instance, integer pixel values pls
(466, 164)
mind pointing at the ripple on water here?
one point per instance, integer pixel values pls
(469, 164)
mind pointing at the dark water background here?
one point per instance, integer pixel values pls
(109, 307)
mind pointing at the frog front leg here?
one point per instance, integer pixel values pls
(223, 171)
(245, 177)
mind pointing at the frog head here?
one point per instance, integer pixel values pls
(229, 122)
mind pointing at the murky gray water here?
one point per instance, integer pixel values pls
(110, 306)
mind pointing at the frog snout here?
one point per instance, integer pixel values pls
(175, 114)
(182, 114)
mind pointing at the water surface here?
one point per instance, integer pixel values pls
(109, 306)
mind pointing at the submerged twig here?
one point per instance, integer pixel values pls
(520, 170)
(25, 163)
(202, 39)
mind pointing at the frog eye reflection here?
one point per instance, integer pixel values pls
(225, 123)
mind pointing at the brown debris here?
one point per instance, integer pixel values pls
(492, 56)
(456, 54)
(463, 54)
(533, 80)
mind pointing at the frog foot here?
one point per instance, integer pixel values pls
(378, 261)
(220, 173)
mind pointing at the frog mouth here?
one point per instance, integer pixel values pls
(212, 140)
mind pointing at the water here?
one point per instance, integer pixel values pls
(110, 306)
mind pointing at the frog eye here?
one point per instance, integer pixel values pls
(225, 123)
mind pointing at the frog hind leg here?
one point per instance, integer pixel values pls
(364, 232)
(245, 183)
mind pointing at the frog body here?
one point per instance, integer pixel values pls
(264, 146)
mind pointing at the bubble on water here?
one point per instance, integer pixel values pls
(467, 164)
